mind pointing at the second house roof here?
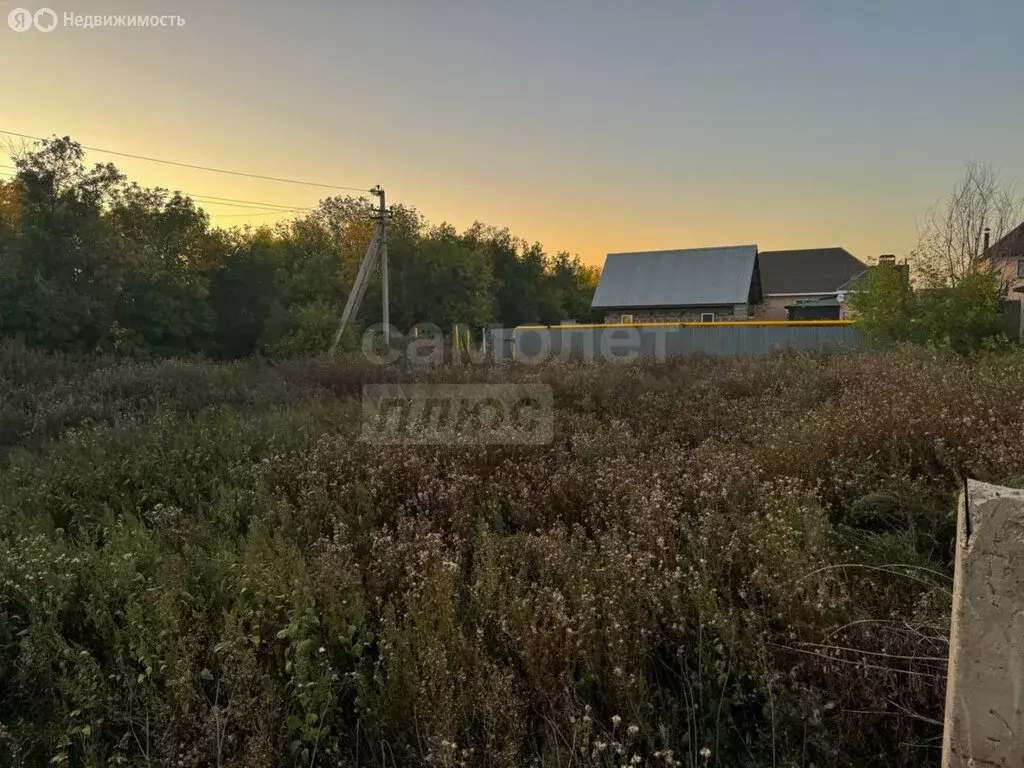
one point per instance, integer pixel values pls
(811, 270)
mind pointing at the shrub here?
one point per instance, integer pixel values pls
(962, 315)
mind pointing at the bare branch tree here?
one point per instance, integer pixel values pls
(17, 149)
(951, 238)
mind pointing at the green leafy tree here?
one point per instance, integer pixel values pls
(317, 258)
(517, 274)
(165, 239)
(528, 285)
(450, 282)
(884, 305)
(64, 267)
(574, 285)
(243, 294)
(962, 314)
(92, 263)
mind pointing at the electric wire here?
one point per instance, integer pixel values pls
(195, 167)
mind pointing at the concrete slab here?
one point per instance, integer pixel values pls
(984, 723)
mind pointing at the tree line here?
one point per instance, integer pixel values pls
(92, 262)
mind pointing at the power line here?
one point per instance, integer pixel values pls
(208, 200)
(264, 213)
(202, 203)
(211, 199)
(196, 167)
(253, 202)
(4, 176)
(279, 208)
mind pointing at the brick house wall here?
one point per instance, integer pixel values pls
(677, 314)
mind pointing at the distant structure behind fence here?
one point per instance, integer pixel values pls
(534, 344)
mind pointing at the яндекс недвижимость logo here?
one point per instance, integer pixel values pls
(22, 20)
(47, 20)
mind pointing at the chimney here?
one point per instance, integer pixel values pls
(984, 247)
(888, 260)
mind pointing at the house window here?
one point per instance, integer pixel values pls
(707, 317)
(626, 319)
(1020, 267)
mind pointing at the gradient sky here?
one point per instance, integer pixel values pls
(588, 125)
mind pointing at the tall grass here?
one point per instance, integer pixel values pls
(717, 562)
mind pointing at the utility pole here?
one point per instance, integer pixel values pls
(386, 313)
(378, 248)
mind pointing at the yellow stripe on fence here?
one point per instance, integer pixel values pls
(683, 324)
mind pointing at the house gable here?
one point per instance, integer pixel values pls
(1010, 246)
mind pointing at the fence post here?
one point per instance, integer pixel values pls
(984, 723)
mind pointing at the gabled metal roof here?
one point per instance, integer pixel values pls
(686, 277)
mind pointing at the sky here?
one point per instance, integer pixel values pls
(592, 126)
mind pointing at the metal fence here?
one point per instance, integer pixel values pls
(531, 344)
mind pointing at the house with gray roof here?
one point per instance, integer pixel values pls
(804, 278)
(690, 284)
(1006, 258)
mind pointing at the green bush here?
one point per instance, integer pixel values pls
(961, 315)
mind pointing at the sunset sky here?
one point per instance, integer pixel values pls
(588, 125)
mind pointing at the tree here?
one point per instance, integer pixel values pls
(243, 294)
(516, 281)
(162, 305)
(960, 315)
(528, 285)
(964, 314)
(884, 304)
(956, 298)
(64, 268)
(951, 239)
(92, 263)
(452, 283)
(312, 256)
(10, 202)
(574, 285)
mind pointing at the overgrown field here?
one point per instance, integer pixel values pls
(717, 562)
